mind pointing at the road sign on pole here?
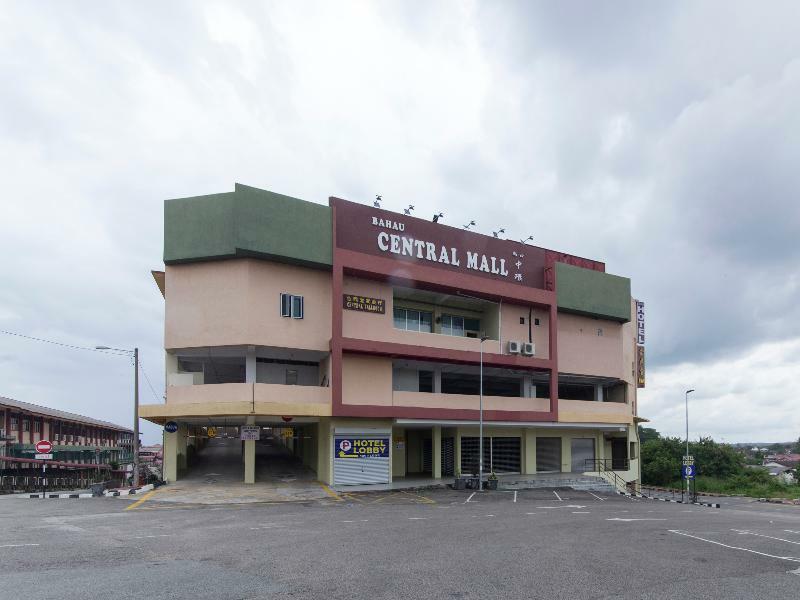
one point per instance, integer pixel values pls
(43, 447)
(688, 471)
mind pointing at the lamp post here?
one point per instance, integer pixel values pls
(484, 337)
(135, 353)
(687, 434)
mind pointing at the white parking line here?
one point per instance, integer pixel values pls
(789, 558)
(598, 497)
(141, 537)
(17, 545)
(470, 497)
(580, 512)
(791, 531)
(417, 518)
(557, 496)
(745, 532)
(629, 520)
(515, 495)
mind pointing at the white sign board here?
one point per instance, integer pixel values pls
(44, 457)
(640, 323)
(250, 432)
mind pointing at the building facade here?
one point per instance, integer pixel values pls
(76, 439)
(371, 334)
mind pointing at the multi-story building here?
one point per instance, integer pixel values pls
(76, 439)
(374, 333)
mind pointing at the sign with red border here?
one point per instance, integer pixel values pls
(43, 446)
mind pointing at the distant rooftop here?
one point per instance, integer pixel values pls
(58, 414)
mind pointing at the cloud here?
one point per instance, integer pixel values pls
(660, 140)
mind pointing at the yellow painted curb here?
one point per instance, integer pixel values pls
(140, 500)
(328, 491)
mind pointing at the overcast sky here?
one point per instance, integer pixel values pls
(660, 138)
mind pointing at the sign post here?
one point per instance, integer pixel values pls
(43, 449)
(250, 433)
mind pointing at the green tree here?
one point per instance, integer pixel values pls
(647, 434)
(796, 446)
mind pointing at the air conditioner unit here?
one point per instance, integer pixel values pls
(528, 349)
(513, 347)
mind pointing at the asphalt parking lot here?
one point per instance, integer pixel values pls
(558, 543)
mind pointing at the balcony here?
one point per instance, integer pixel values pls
(586, 411)
(243, 398)
(468, 402)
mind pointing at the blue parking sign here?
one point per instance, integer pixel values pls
(688, 471)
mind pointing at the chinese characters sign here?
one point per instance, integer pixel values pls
(364, 304)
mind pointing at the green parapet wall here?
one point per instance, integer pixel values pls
(247, 222)
(593, 293)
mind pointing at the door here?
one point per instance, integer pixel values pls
(582, 451)
(427, 455)
(619, 454)
(448, 457)
(361, 458)
(548, 455)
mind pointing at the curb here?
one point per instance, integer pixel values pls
(107, 493)
(47, 495)
(129, 492)
(706, 504)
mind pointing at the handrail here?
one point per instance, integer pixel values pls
(601, 465)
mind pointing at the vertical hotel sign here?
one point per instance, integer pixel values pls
(640, 344)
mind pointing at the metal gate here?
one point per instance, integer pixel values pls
(361, 458)
(582, 451)
(427, 455)
(548, 455)
(500, 455)
(448, 457)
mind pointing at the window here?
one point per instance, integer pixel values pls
(452, 325)
(291, 306)
(413, 320)
(291, 376)
(460, 326)
(26, 425)
(14, 423)
(426, 381)
(37, 427)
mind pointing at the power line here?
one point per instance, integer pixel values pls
(72, 346)
(149, 383)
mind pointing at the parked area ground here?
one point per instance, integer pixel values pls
(399, 544)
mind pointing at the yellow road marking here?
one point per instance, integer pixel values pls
(424, 499)
(331, 493)
(140, 500)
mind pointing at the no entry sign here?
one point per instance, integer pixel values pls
(43, 447)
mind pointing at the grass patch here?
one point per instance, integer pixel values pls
(744, 485)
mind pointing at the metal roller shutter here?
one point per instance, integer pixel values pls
(361, 458)
(548, 455)
(448, 457)
(500, 454)
(582, 450)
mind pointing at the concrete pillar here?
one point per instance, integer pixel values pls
(170, 457)
(250, 456)
(250, 365)
(566, 454)
(457, 451)
(436, 444)
(182, 433)
(598, 393)
(529, 449)
(437, 380)
(170, 366)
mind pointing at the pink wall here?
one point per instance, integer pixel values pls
(582, 351)
(512, 329)
(462, 401)
(366, 380)
(236, 302)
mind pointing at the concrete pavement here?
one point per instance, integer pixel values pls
(401, 544)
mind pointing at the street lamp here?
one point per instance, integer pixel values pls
(135, 353)
(687, 433)
(484, 337)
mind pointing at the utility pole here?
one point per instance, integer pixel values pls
(136, 417)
